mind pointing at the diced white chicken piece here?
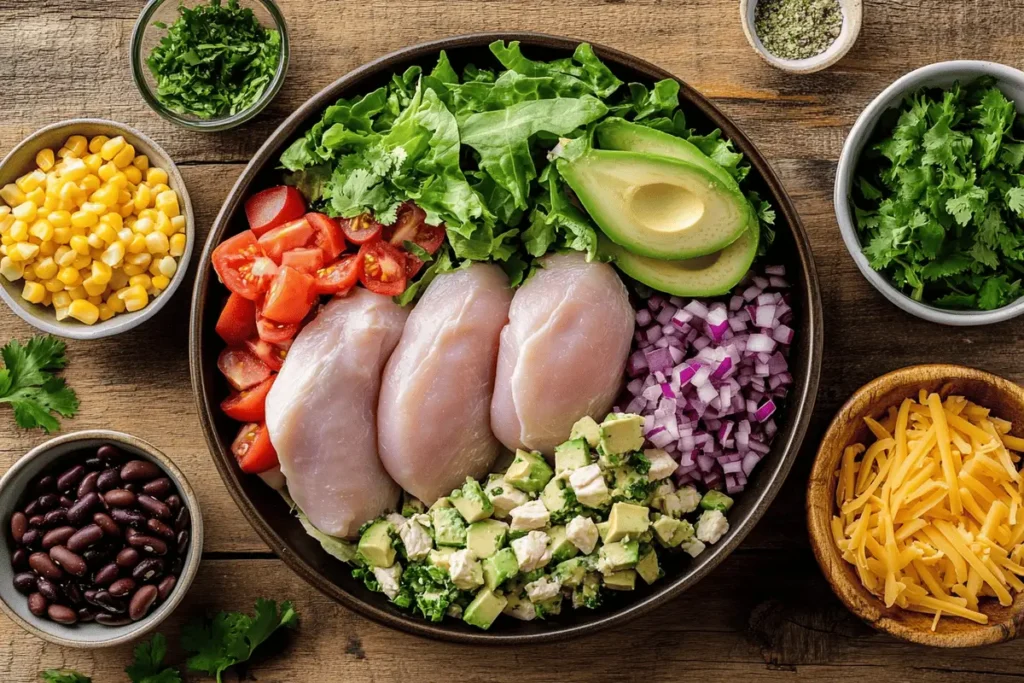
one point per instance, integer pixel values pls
(582, 533)
(562, 353)
(532, 515)
(388, 578)
(542, 589)
(531, 551)
(322, 413)
(434, 424)
(662, 464)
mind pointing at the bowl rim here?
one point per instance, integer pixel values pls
(801, 404)
(853, 17)
(135, 630)
(846, 170)
(137, 62)
(820, 507)
(119, 323)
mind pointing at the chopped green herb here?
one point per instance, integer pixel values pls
(27, 383)
(798, 29)
(148, 666)
(63, 676)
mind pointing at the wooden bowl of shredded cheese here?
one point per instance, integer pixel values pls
(916, 505)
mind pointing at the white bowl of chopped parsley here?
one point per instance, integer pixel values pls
(209, 65)
(929, 193)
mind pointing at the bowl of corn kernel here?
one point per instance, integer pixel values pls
(96, 229)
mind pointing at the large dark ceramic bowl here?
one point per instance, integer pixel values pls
(269, 514)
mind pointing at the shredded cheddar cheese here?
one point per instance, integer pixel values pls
(929, 514)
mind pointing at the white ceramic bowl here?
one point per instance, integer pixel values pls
(942, 74)
(853, 13)
(21, 160)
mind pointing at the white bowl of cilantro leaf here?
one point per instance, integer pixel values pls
(929, 193)
(209, 65)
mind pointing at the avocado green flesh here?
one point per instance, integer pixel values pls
(658, 206)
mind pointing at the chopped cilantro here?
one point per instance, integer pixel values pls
(27, 383)
(148, 666)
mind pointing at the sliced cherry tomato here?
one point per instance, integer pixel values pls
(248, 405)
(290, 297)
(242, 368)
(339, 277)
(272, 355)
(305, 260)
(253, 450)
(237, 322)
(411, 227)
(361, 229)
(328, 236)
(283, 238)
(274, 332)
(382, 268)
(242, 266)
(273, 207)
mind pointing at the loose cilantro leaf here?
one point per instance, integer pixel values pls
(231, 637)
(148, 666)
(26, 383)
(63, 676)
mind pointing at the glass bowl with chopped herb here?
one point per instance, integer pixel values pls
(209, 65)
(929, 193)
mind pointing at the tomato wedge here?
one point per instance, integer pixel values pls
(305, 260)
(253, 450)
(248, 405)
(411, 227)
(290, 297)
(339, 277)
(275, 333)
(361, 229)
(382, 268)
(273, 207)
(237, 322)
(283, 238)
(327, 236)
(242, 368)
(272, 355)
(242, 266)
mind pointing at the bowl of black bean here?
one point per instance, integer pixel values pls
(103, 536)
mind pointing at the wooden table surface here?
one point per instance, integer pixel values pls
(766, 613)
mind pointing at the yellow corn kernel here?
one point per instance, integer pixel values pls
(95, 242)
(106, 233)
(90, 184)
(158, 188)
(118, 280)
(111, 147)
(82, 261)
(60, 219)
(125, 234)
(53, 285)
(51, 203)
(133, 175)
(135, 298)
(69, 276)
(95, 253)
(63, 252)
(143, 260)
(142, 280)
(141, 162)
(62, 299)
(131, 270)
(95, 299)
(80, 244)
(94, 162)
(127, 209)
(125, 196)
(84, 311)
(26, 211)
(10, 269)
(62, 235)
(11, 194)
(93, 288)
(161, 282)
(177, 245)
(143, 197)
(37, 197)
(5, 242)
(125, 156)
(143, 226)
(168, 266)
(45, 159)
(84, 219)
(114, 220)
(179, 224)
(156, 176)
(116, 303)
(5, 215)
(30, 181)
(41, 230)
(157, 243)
(96, 144)
(47, 248)
(29, 275)
(74, 170)
(46, 269)
(47, 299)
(151, 214)
(22, 251)
(163, 224)
(33, 292)
(114, 255)
(107, 171)
(77, 293)
(101, 272)
(119, 180)
(77, 145)
(18, 231)
(60, 313)
(64, 153)
(106, 312)
(137, 245)
(106, 196)
(154, 267)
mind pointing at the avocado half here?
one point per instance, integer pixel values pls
(657, 206)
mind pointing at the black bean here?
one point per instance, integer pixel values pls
(160, 529)
(119, 498)
(37, 604)
(183, 520)
(85, 537)
(19, 559)
(122, 587)
(128, 517)
(48, 501)
(30, 538)
(19, 525)
(108, 602)
(61, 614)
(182, 542)
(74, 593)
(69, 561)
(148, 570)
(158, 488)
(45, 485)
(128, 558)
(48, 588)
(166, 586)
(142, 602)
(66, 502)
(56, 517)
(174, 502)
(140, 470)
(150, 544)
(109, 453)
(154, 507)
(88, 484)
(33, 508)
(79, 512)
(108, 479)
(85, 615)
(58, 536)
(71, 478)
(25, 582)
(44, 566)
(105, 522)
(112, 619)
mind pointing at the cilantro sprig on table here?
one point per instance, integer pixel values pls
(939, 198)
(215, 60)
(28, 385)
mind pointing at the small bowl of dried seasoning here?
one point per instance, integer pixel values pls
(801, 36)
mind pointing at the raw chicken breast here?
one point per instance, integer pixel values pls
(322, 412)
(434, 422)
(562, 353)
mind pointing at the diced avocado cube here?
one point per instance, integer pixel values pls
(572, 455)
(614, 557)
(627, 519)
(630, 485)
(586, 428)
(412, 505)
(671, 532)
(376, 544)
(624, 580)
(602, 530)
(440, 504)
(588, 592)
(549, 608)
(486, 537)
(622, 434)
(449, 527)
(503, 496)
(716, 500)
(499, 568)
(648, 568)
(561, 547)
(529, 472)
(471, 502)
(571, 572)
(558, 498)
(440, 557)
(484, 609)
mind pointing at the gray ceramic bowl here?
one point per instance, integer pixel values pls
(21, 160)
(942, 74)
(12, 486)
